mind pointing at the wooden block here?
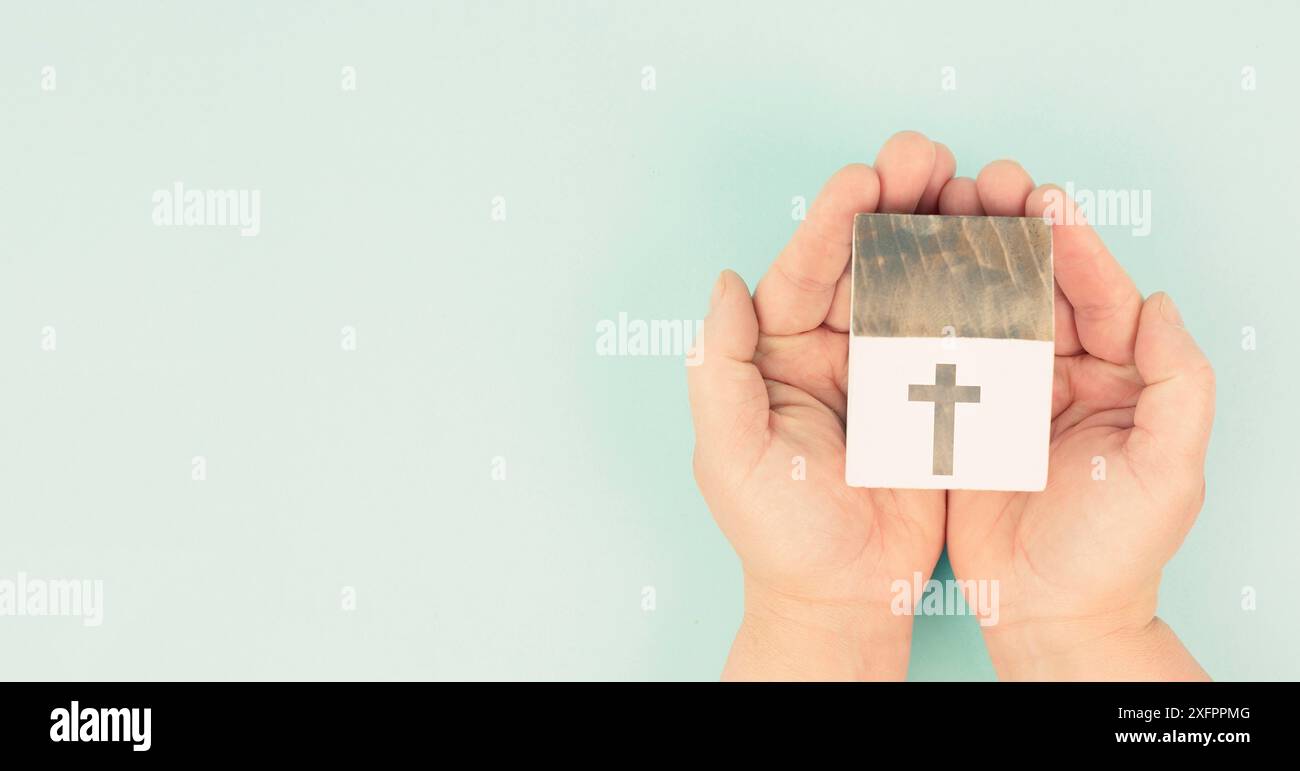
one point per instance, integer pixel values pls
(950, 353)
(915, 274)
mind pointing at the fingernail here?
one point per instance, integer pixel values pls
(718, 289)
(1170, 311)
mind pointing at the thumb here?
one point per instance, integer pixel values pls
(1176, 408)
(728, 398)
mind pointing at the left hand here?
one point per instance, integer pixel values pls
(1133, 400)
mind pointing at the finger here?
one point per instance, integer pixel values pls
(959, 197)
(909, 164)
(1003, 187)
(838, 316)
(728, 399)
(905, 165)
(1176, 408)
(816, 363)
(1093, 387)
(903, 157)
(1106, 303)
(945, 165)
(797, 291)
(1067, 336)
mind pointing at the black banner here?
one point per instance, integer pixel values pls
(249, 720)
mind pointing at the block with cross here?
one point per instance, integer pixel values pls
(950, 352)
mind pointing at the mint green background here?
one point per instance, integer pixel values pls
(477, 338)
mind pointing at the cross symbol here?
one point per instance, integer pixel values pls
(945, 393)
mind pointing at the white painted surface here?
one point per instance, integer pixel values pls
(999, 444)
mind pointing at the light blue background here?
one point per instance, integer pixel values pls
(476, 338)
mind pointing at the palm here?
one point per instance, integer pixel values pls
(804, 531)
(1058, 546)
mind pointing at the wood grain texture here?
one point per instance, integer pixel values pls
(915, 274)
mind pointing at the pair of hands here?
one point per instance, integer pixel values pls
(1078, 564)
